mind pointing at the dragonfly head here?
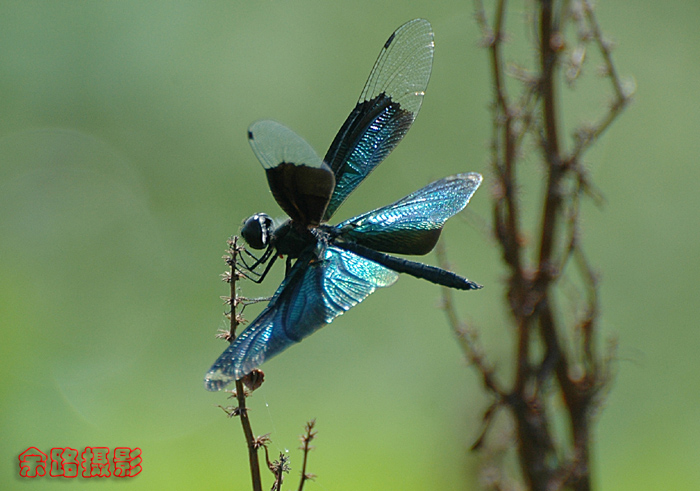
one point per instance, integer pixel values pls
(257, 230)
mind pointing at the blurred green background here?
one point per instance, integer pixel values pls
(124, 167)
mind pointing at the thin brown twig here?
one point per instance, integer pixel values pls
(545, 461)
(242, 410)
(464, 334)
(279, 468)
(550, 142)
(605, 50)
(306, 439)
(586, 136)
(506, 210)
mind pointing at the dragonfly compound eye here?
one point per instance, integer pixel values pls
(256, 230)
(337, 266)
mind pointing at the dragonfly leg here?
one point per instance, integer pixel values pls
(258, 260)
(259, 277)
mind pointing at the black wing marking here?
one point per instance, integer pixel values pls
(385, 111)
(300, 182)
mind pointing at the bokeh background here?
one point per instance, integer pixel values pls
(124, 167)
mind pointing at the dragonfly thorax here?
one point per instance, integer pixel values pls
(256, 230)
(338, 266)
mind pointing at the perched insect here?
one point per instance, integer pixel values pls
(338, 266)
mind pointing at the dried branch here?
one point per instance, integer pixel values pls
(306, 439)
(587, 135)
(251, 382)
(279, 468)
(242, 411)
(466, 336)
(545, 363)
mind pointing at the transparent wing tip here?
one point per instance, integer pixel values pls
(216, 380)
(475, 177)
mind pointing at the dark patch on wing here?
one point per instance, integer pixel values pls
(301, 191)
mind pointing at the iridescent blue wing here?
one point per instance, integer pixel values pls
(385, 111)
(316, 291)
(413, 224)
(300, 182)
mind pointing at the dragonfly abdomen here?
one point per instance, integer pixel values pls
(419, 270)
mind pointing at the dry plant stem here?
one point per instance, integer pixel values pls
(575, 397)
(306, 439)
(249, 438)
(279, 477)
(503, 142)
(622, 98)
(240, 391)
(466, 335)
(545, 461)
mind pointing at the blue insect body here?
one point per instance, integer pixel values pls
(338, 266)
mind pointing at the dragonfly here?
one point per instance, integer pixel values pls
(337, 266)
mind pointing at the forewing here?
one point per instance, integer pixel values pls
(385, 111)
(314, 293)
(413, 224)
(300, 182)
